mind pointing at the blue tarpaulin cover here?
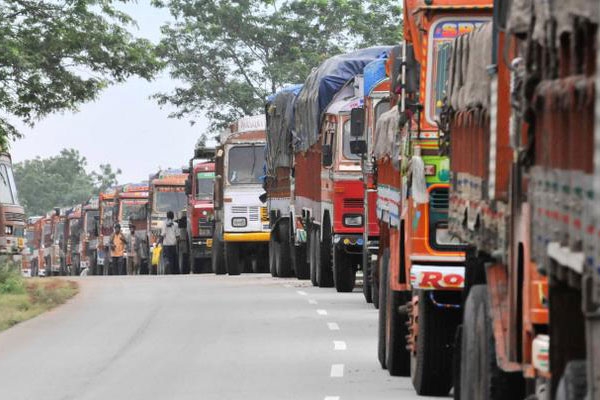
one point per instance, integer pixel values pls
(374, 73)
(321, 86)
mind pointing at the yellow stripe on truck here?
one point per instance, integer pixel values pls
(247, 237)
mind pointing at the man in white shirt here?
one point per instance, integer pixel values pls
(168, 236)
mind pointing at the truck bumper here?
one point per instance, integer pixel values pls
(201, 247)
(247, 237)
(350, 243)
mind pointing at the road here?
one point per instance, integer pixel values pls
(199, 337)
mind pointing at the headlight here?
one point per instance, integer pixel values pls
(239, 222)
(8, 229)
(353, 220)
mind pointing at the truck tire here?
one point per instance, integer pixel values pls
(367, 286)
(218, 256)
(313, 243)
(183, 259)
(273, 255)
(397, 357)
(456, 363)
(324, 270)
(344, 274)
(284, 262)
(383, 286)
(431, 360)
(233, 261)
(300, 264)
(375, 283)
(573, 382)
(480, 376)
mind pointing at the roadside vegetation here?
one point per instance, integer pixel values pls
(22, 299)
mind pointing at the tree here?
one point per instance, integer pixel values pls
(231, 54)
(57, 54)
(58, 181)
(105, 178)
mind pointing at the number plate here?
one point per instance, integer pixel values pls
(208, 242)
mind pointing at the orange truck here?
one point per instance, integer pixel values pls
(107, 221)
(30, 264)
(90, 217)
(521, 121)
(73, 242)
(420, 265)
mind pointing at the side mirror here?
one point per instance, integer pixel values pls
(357, 122)
(358, 147)
(188, 187)
(327, 155)
(185, 170)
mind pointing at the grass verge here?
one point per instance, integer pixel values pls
(22, 299)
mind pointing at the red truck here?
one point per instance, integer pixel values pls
(12, 214)
(107, 221)
(328, 195)
(88, 256)
(200, 209)
(73, 245)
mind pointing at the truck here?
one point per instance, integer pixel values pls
(167, 193)
(327, 194)
(132, 207)
(522, 95)
(46, 243)
(107, 221)
(199, 224)
(60, 233)
(30, 252)
(287, 253)
(74, 242)
(420, 266)
(242, 231)
(376, 91)
(12, 214)
(88, 256)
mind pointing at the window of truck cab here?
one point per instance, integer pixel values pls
(133, 209)
(8, 189)
(441, 34)
(346, 139)
(204, 185)
(245, 164)
(90, 221)
(169, 198)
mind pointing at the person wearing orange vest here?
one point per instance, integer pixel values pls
(117, 251)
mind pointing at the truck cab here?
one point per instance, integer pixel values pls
(241, 219)
(60, 234)
(107, 221)
(200, 212)
(132, 207)
(73, 249)
(12, 214)
(89, 236)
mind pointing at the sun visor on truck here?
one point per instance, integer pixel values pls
(280, 125)
(321, 86)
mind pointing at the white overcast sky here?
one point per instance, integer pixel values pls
(123, 126)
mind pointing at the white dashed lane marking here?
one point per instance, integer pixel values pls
(332, 398)
(312, 301)
(337, 371)
(322, 312)
(301, 292)
(333, 326)
(287, 285)
(339, 345)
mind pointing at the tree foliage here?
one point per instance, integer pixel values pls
(59, 181)
(57, 54)
(231, 54)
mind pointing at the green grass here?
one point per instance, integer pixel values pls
(22, 299)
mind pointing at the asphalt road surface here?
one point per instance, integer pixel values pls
(199, 337)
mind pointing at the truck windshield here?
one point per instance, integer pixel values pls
(90, 221)
(245, 164)
(8, 189)
(441, 36)
(30, 238)
(133, 210)
(75, 227)
(59, 231)
(170, 199)
(47, 232)
(347, 139)
(107, 214)
(205, 185)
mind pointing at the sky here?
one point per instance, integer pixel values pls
(123, 127)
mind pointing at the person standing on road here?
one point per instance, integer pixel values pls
(168, 238)
(133, 259)
(117, 251)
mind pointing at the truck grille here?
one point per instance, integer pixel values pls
(354, 203)
(254, 214)
(239, 210)
(438, 199)
(11, 216)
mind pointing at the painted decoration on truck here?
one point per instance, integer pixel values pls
(433, 277)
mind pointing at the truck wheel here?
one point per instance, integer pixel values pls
(431, 360)
(480, 376)
(183, 259)
(573, 382)
(375, 283)
(367, 286)
(273, 255)
(232, 258)
(456, 363)
(385, 260)
(300, 264)
(344, 274)
(324, 271)
(284, 262)
(218, 256)
(313, 252)
(397, 357)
